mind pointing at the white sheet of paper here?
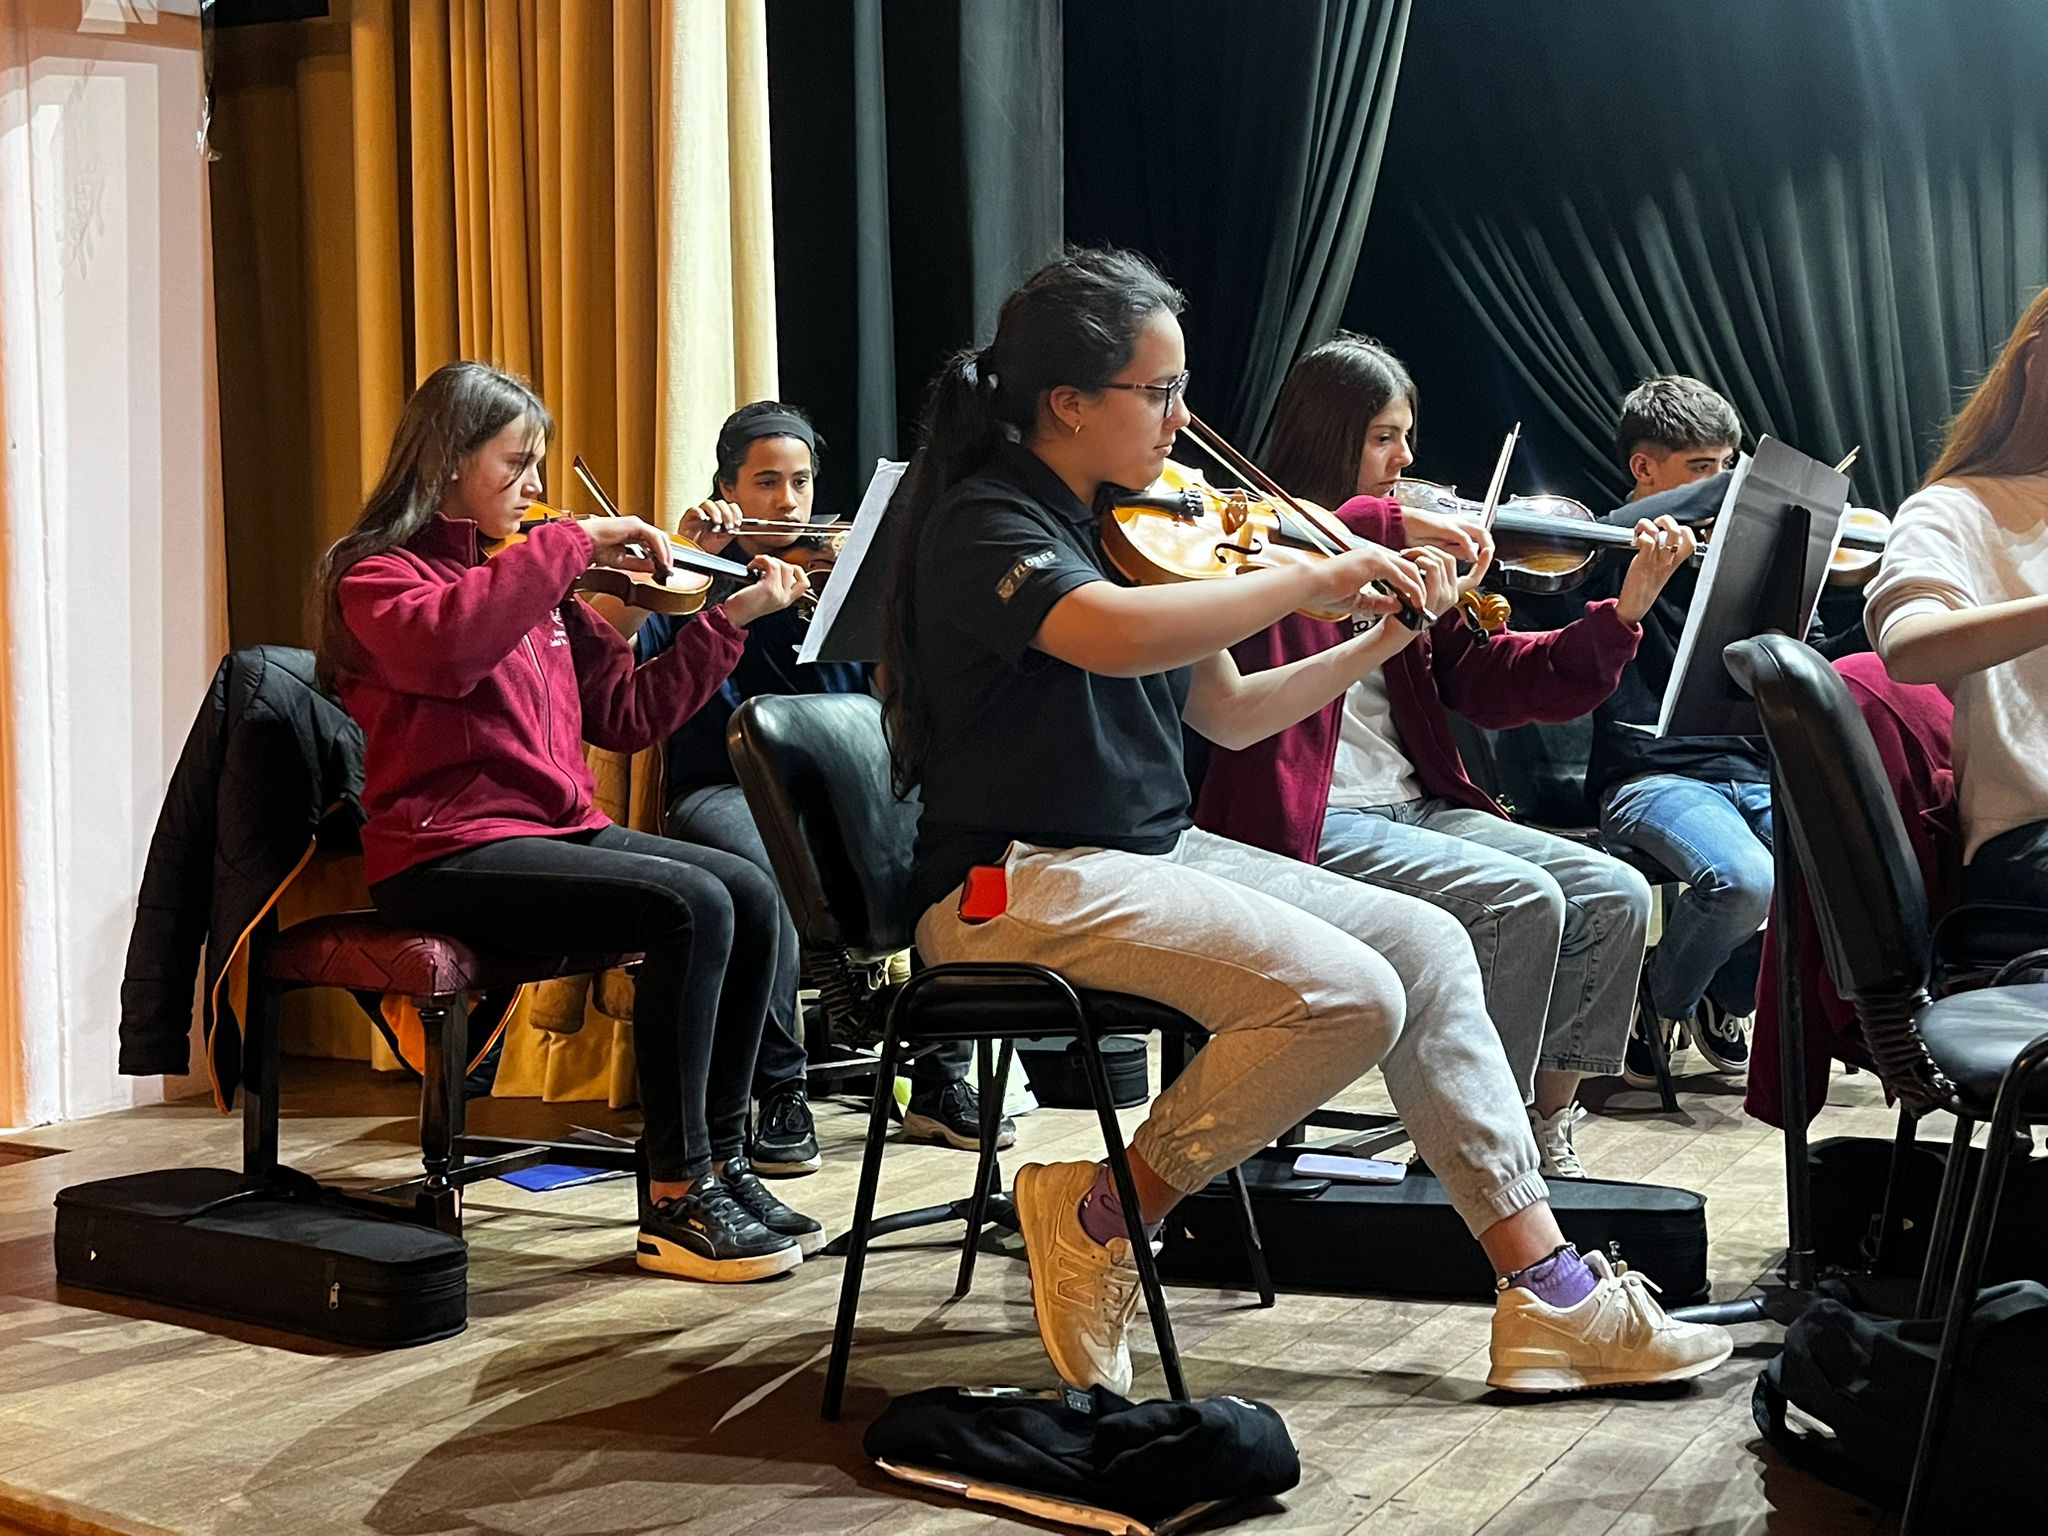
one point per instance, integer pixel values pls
(858, 541)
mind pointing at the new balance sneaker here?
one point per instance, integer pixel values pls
(1638, 1066)
(738, 1176)
(950, 1115)
(1554, 1141)
(785, 1142)
(1083, 1292)
(708, 1235)
(1723, 1038)
(1617, 1336)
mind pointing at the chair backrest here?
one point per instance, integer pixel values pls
(815, 769)
(1861, 876)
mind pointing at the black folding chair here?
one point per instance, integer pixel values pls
(1976, 1055)
(815, 769)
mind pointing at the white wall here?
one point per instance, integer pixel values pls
(118, 591)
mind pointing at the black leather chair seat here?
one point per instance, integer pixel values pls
(1974, 1037)
(969, 1008)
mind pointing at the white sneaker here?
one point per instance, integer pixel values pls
(1554, 1141)
(1084, 1293)
(1617, 1336)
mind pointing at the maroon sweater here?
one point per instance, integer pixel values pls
(477, 682)
(1273, 794)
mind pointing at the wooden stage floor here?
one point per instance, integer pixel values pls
(589, 1399)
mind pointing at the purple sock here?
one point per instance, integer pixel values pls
(1562, 1280)
(1102, 1213)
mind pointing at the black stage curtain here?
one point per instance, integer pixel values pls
(1238, 146)
(1831, 211)
(917, 159)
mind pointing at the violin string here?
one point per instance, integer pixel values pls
(1297, 528)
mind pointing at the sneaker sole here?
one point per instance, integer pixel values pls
(807, 1243)
(1550, 1379)
(666, 1258)
(794, 1169)
(937, 1133)
(1720, 1063)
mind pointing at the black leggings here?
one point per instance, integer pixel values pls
(708, 923)
(2012, 867)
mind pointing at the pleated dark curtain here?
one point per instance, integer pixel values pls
(917, 151)
(1239, 146)
(1831, 211)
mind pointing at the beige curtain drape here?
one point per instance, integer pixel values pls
(577, 191)
(14, 1107)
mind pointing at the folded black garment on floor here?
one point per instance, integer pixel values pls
(1149, 1460)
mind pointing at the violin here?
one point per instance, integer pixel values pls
(1549, 543)
(1181, 528)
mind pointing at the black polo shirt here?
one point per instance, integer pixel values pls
(1023, 746)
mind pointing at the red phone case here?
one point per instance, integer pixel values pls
(985, 893)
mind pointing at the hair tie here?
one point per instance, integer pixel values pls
(986, 379)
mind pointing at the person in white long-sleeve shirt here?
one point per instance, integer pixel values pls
(1961, 601)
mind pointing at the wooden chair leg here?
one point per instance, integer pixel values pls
(261, 1048)
(443, 1020)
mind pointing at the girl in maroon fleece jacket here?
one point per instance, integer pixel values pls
(477, 681)
(1372, 785)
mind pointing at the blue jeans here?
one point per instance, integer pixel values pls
(1557, 927)
(1716, 837)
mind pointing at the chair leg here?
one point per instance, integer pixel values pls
(988, 1175)
(1254, 1248)
(1962, 1301)
(1660, 1058)
(1941, 1241)
(1893, 1215)
(863, 1218)
(260, 1051)
(1127, 1193)
(440, 1086)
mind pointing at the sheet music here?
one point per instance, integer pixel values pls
(1709, 568)
(858, 542)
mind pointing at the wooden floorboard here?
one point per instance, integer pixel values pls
(589, 1398)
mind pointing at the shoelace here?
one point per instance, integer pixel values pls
(1644, 1310)
(724, 1206)
(784, 1114)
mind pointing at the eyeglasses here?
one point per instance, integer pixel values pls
(1171, 391)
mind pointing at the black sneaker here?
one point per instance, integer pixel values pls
(739, 1177)
(708, 1235)
(1723, 1038)
(1638, 1066)
(950, 1115)
(785, 1140)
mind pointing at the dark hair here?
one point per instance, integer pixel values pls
(1330, 398)
(1672, 411)
(1074, 322)
(2002, 428)
(742, 430)
(454, 412)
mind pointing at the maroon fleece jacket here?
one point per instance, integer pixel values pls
(1273, 793)
(477, 682)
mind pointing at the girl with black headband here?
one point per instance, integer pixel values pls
(768, 459)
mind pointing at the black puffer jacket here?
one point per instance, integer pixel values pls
(271, 766)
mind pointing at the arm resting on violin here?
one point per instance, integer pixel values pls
(441, 638)
(1520, 679)
(627, 707)
(1137, 631)
(1234, 709)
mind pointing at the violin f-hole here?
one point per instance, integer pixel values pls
(1250, 551)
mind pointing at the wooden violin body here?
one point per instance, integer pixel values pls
(685, 590)
(1182, 528)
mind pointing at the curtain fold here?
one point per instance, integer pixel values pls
(1249, 177)
(1842, 269)
(918, 158)
(577, 192)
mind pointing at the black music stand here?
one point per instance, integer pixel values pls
(847, 625)
(1768, 558)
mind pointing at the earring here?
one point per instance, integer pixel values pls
(1078, 426)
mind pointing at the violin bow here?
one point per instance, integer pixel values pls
(1848, 459)
(1500, 475)
(583, 473)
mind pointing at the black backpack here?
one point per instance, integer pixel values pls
(1868, 1382)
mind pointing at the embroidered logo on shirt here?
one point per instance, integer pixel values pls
(1020, 573)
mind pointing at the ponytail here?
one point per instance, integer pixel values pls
(1074, 322)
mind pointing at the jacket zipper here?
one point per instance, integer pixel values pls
(547, 706)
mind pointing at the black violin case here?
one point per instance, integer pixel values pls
(282, 1252)
(1405, 1240)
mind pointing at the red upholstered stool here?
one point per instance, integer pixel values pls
(360, 952)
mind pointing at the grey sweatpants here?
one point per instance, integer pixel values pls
(1305, 979)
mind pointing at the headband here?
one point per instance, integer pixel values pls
(770, 424)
